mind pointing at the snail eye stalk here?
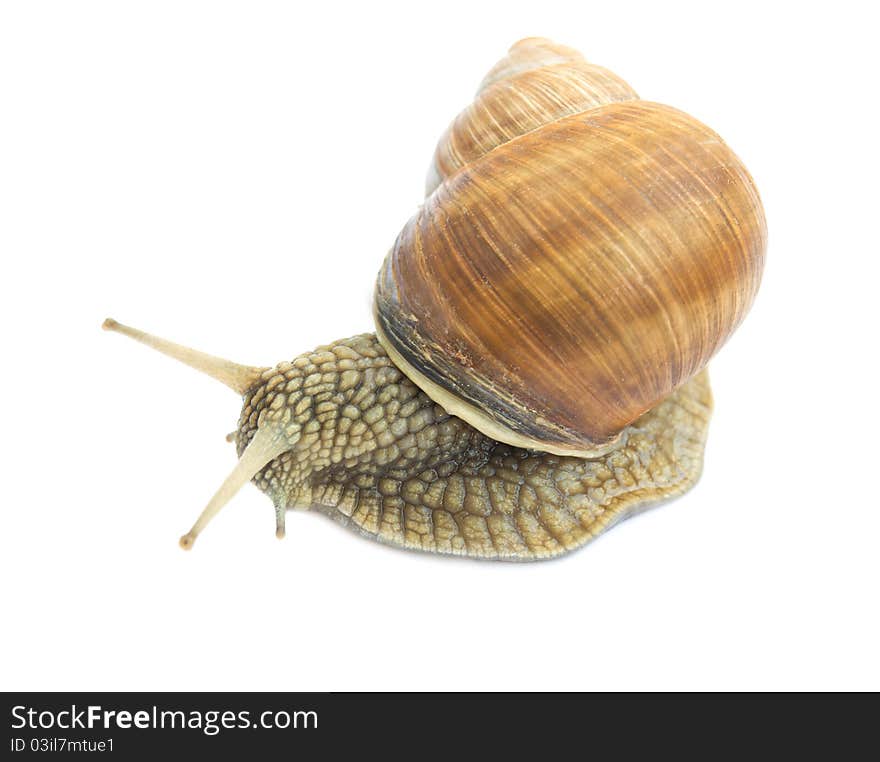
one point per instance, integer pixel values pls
(268, 443)
(239, 378)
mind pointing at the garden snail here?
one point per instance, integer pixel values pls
(543, 325)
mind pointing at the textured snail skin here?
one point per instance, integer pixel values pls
(371, 450)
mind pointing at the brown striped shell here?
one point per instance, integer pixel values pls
(562, 282)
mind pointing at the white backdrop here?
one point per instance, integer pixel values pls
(230, 175)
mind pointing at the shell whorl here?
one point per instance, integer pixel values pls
(536, 83)
(564, 282)
(529, 53)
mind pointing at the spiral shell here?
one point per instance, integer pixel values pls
(563, 283)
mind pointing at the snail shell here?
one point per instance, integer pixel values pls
(561, 284)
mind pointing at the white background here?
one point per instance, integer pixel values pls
(230, 175)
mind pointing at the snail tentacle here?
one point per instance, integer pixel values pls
(237, 377)
(267, 443)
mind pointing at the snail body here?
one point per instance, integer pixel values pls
(543, 326)
(373, 451)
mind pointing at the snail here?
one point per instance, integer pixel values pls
(543, 326)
